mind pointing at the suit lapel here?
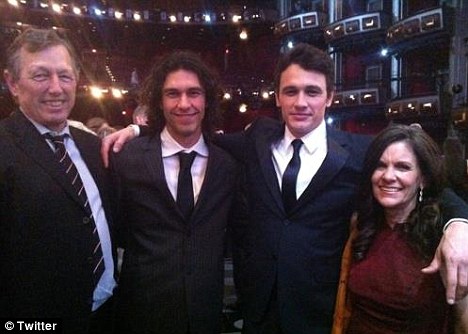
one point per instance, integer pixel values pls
(214, 170)
(331, 166)
(263, 148)
(35, 146)
(152, 156)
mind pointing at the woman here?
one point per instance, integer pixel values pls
(398, 230)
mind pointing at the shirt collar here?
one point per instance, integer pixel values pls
(317, 138)
(44, 130)
(169, 146)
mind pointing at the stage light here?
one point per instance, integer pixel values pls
(13, 3)
(236, 18)
(117, 93)
(243, 108)
(96, 92)
(243, 35)
(137, 16)
(118, 15)
(76, 10)
(56, 8)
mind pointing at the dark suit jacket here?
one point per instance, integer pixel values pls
(45, 244)
(172, 272)
(297, 256)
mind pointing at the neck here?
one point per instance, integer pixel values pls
(397, 215)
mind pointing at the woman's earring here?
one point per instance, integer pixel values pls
(420, 198)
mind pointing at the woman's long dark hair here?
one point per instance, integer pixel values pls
(422, 226)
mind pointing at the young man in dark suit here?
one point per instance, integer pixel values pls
(301, 180)
(57, 256)
(172, 272)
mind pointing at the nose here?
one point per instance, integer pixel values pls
(389, 174)
(54, 84)
(184, 101)
(300, 100)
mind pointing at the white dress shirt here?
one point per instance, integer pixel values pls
(169, 149)
(312, 154)
(107, 283)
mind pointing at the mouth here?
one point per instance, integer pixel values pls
(186, 114)
(54, 103)
(299, 114)
(389, 189)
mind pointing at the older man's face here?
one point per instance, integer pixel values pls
(46, 87)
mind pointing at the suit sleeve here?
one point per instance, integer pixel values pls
(452, 205)
(238, 231)
(120, 219)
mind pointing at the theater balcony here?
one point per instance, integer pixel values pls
(427, 28)
(359, 29)
(306, 27)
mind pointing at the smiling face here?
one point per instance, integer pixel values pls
(302, 97)
(397, 179)
(183, 104)
(46, 86)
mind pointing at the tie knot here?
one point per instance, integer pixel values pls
(297, 143)
(186, 159)
(58, 140)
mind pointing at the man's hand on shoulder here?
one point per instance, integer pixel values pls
(116, 141)
(451, 260)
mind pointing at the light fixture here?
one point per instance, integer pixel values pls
(56, 8)
(243, 35)
(13, 3)
(76, 10)
(243, 108)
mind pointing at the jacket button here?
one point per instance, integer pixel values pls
(86, 220)
(89, 259)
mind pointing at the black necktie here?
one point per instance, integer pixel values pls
(184, 184)
(288, 187)
(73, 176)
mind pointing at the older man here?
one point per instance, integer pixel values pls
(57, 258)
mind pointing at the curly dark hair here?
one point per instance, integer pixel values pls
(422, 227)
(151, 93)
(309, 58)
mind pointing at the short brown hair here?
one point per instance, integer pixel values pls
(35, 40)
(309, 58)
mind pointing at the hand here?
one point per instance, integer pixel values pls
(451, 260)
(115, 140)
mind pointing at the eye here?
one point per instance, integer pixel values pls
(66, 78)
(404, 166)
(172, 94)
(194, 93)
(380, 165)
(290, 91)
(313, 92)
(39, 77)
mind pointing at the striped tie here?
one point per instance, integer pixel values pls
(74, 177)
